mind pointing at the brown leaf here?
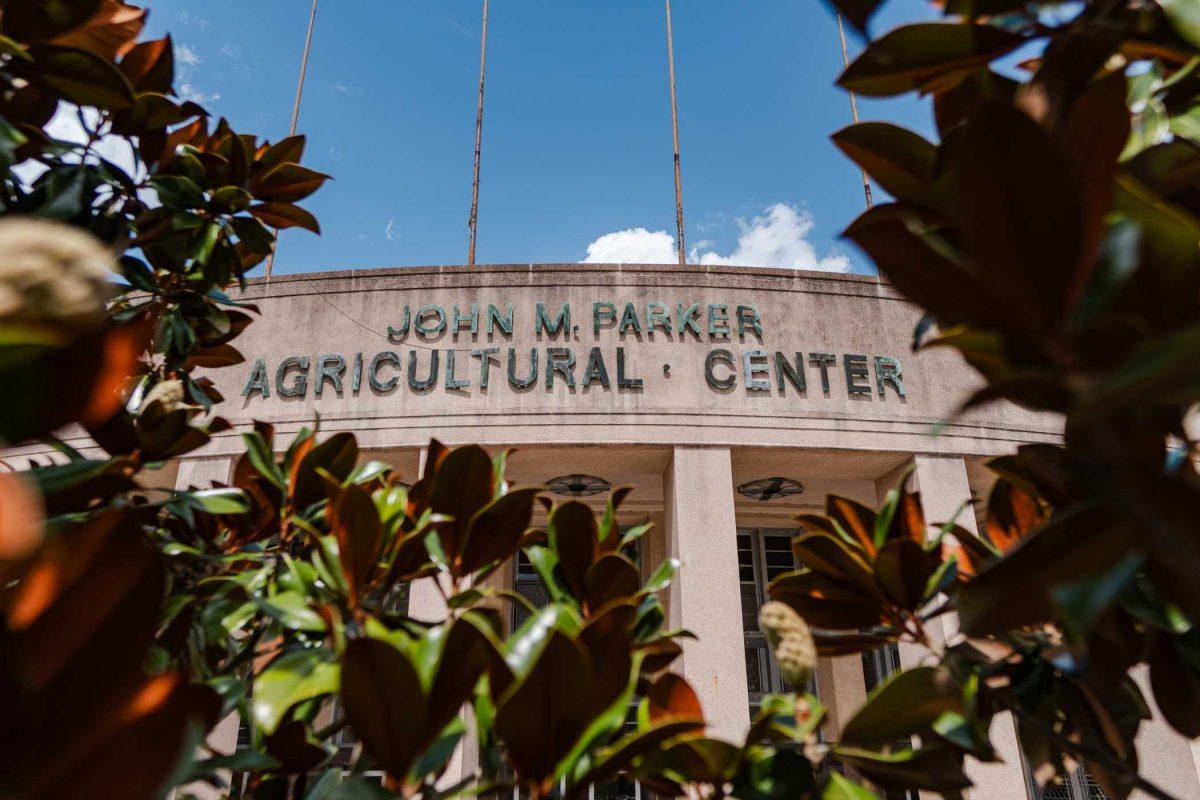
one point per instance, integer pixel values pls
(285, 215)
(672, 697)
(855, 519)
(354, 521)
(825, 603)
(150, 66)
(540, 717)
(573, 538)
(1012, 515)
(613, 576)
(382, 697)
(110, 32)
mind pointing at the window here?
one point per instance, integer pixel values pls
(763, 555)
(879, 663)
(1077, 785)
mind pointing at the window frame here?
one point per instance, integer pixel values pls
(768, 670)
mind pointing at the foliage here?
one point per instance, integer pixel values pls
(136, 619)
(1051, 234)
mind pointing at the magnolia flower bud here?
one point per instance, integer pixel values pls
(170, 393)
(791, 641)
(52, 273)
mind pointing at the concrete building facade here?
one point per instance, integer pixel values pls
(683, 383)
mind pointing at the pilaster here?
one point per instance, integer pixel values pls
(701, 532)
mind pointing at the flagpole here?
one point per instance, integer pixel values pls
(853, 104)
(675, 137)
(473, 220)
(312, 18)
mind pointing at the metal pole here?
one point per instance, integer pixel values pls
(312, 18)
(853, 104)
(675, 137)
(473, 221)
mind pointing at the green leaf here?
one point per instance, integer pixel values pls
(262, 459)
(935, 767)
(222, 501)
(925, 54)
(662, 576)
(82, 77)
(291, 678)
(231, 198)
(903, 705)
(523, 647)
(369, 471)
(1184, 16)
(177, 191)
(840, 787)
(293, 611)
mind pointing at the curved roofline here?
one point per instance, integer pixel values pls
(659, 269)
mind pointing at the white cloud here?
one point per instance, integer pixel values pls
(189, 92)
(186, 55)
(776, 238)
(194, 20)
(390, 231)
(632, 246)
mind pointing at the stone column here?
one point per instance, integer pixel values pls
(705, 598)
(942, 482)
(1164, 756)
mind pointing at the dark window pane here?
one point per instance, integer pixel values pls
(754, 669)
(622, 788)
(750, 601)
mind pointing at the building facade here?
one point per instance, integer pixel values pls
(699, 387)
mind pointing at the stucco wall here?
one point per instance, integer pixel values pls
(348, 313)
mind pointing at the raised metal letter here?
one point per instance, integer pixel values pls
(710, 361)
(373, 371)
(429, 380)
(300, 387)
(330, 368)
(257, 382)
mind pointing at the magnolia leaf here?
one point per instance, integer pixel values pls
(225, 500)
(82, 77)
(1184, 16)
(293, 611)
(905, 704)
(913, 56)
(900, 161)
(290, 678)
(285, 215)
(384, 703)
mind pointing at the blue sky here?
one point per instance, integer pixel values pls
(577, 137)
